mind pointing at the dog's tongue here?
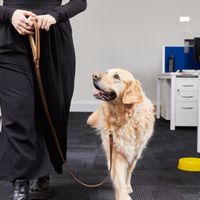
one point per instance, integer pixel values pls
(97, 92)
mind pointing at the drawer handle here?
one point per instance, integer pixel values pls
(187, 108)
(187, 85)
(188, 97)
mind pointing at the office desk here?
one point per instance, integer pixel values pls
(183, 99)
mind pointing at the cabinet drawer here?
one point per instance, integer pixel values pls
(186, 95)
(187, 84)
(186, 114)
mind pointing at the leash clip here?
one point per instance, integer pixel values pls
(110, 134)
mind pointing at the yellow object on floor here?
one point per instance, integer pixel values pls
(189, 164)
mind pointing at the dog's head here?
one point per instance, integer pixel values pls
(117, 85)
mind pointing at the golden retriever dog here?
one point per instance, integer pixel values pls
(129, 115)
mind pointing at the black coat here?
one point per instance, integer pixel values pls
(20, 143)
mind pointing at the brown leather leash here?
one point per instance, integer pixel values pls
(35, 46)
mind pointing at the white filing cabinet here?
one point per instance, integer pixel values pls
(178, 97)
(186, 101)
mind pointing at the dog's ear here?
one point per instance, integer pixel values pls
(133, 93)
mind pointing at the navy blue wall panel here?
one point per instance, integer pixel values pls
(181, 60)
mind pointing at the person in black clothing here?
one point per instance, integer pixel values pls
(27, 148)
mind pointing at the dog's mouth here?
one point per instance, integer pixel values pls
(103, 95)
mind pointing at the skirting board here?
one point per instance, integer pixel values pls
(87, 106)
(84, 106)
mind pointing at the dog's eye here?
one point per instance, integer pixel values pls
(116, 76)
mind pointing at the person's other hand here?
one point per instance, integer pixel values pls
(45, 21)
(22, 22)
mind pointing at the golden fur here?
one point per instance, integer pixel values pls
(130, 117)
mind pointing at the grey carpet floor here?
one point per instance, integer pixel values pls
(156, 176)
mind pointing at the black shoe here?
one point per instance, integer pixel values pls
(20, 190)
(39, 189)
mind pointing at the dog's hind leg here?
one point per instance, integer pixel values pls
(129, 175)
(119, 176)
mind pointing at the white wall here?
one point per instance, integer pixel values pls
(128, 34)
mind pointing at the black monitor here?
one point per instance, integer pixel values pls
(197, 48)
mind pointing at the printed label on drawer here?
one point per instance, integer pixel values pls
(186, 95)
(186, 114)
(187, 84)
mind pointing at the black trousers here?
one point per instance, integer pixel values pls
(23, 151)
(27, 147)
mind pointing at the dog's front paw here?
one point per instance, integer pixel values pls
(124, 197)
(129, 189)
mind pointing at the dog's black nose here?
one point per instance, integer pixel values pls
(96, 77)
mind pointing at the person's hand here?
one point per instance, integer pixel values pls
(22, 22)
(45, 21)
